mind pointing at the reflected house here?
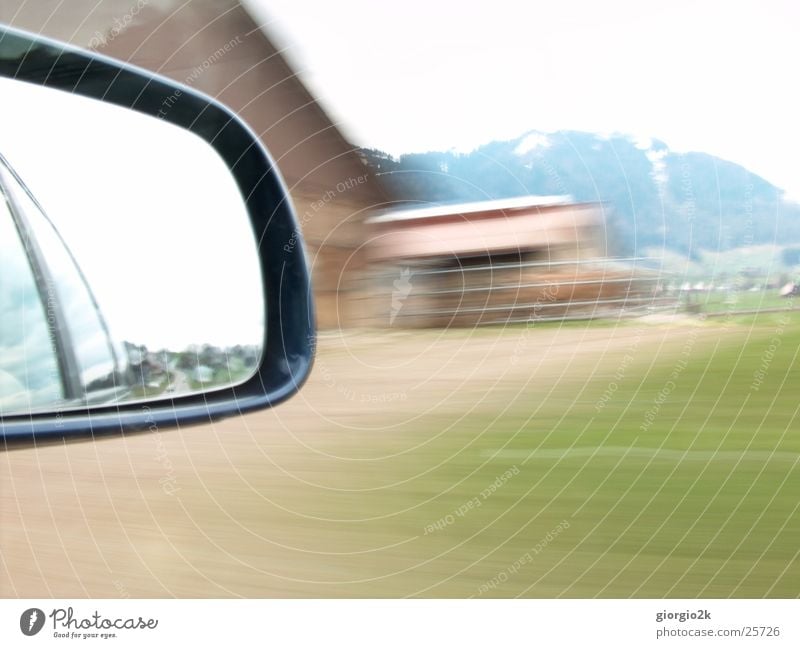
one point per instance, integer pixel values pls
(203, 374)
(517, 259)
(217, 47)
(147, 367)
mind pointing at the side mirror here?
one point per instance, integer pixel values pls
(151, 268)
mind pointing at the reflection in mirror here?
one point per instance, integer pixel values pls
(128, 266)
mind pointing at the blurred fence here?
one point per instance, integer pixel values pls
(424, 295)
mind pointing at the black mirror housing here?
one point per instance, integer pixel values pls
(289, 331)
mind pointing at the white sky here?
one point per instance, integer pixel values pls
(719, 77)
(150, 212)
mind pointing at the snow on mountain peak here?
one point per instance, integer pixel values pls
(531, 142)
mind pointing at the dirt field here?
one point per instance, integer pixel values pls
(349, 489)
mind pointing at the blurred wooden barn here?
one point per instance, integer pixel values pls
(512, 260)
(475, 263)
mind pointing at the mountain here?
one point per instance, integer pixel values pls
(685, 202)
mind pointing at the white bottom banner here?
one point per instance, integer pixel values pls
(401, 623)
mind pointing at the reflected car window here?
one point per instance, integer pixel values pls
(96, 358)
(93, 369)
(29, 373)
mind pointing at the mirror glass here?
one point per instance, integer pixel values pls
(128, 265)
